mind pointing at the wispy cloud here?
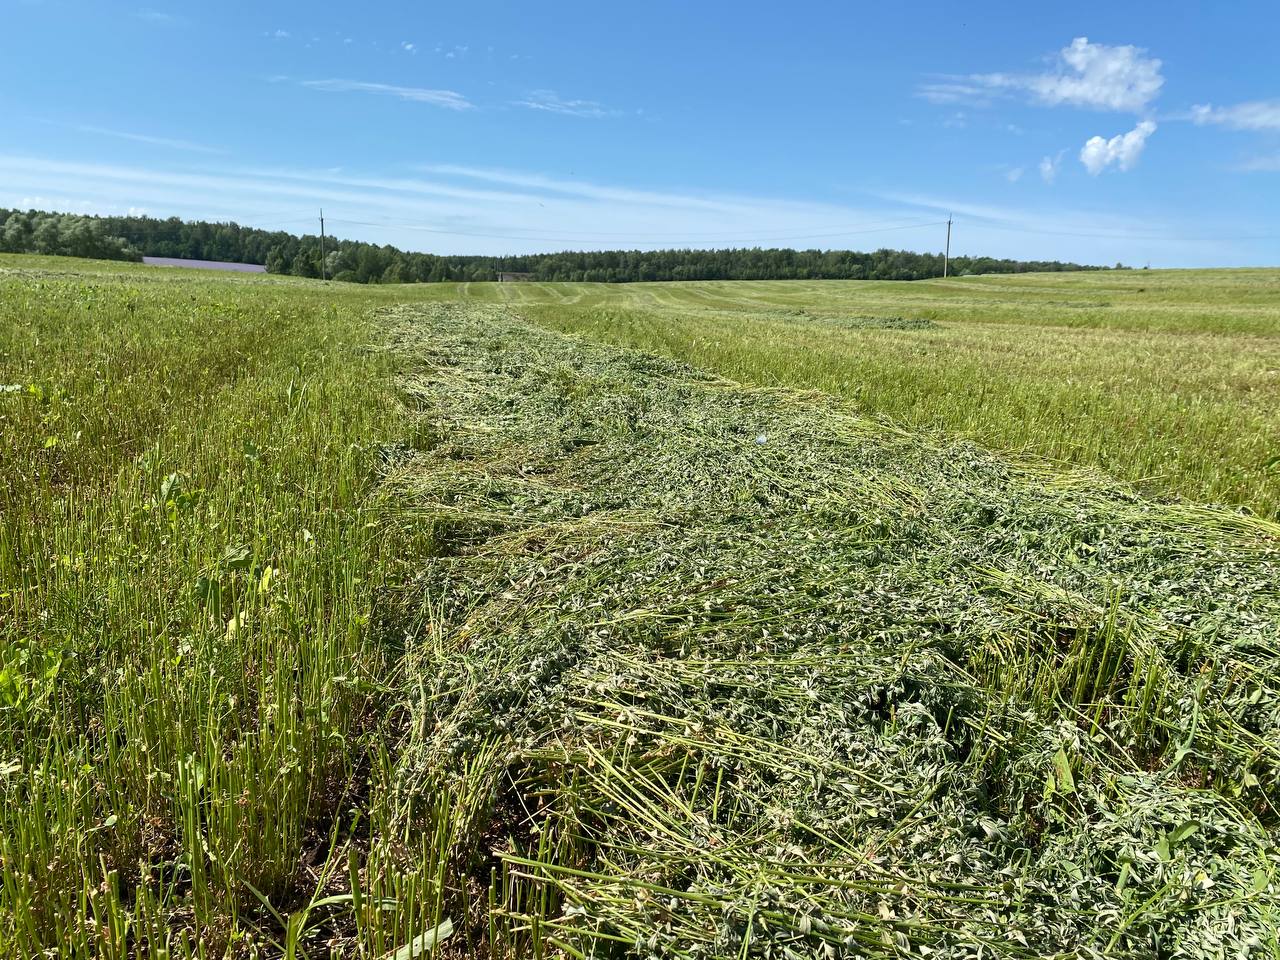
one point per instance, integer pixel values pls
(1255, 115)
(408, 47)
(1057, 221)
(1049, 167)
(438, 211)
(448, 99)
(945, 90)
(157, 16)
(1265, 164)
(433, 214)
(1014, 175)
(168, 142)
(584, 189)
(551, 102)
(1121, 150)
(1085, 74)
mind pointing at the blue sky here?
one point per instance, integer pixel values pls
(1091, 131)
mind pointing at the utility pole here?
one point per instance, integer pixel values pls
(946, 257)
(322, 272)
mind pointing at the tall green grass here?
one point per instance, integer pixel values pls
(193, 672)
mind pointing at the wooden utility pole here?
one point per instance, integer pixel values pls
(946, 257)
(322, 271)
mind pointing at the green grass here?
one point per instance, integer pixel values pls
(190, 694)
(1170, 379)
(372, 622)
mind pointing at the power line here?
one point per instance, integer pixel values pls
(517, 235)
(1122, 236)
(279, 223)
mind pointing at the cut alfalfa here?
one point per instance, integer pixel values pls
(885, 323)
(862, 322)
(850, 690)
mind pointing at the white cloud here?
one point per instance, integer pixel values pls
(1123, 149)
(280, 34)
(1086, 74)
(1111, 78)
(409, 47)
(1255, 115)
(1014, 175)
(61, 204)
(440, 98)
(549, 101)
(1049, 167)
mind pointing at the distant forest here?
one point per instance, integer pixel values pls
(131, 238)
(62, 235)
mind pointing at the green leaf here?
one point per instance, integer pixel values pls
(1261, 880)
(1184, 831)
(423, 942)
(1062, 767)
(10, 687)
(209, 591)
(237, 556)
(170, 487)
(1123, 880)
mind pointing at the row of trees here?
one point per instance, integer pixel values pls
(197, 239)
(356, 262)
(368, 263)
(62, 234)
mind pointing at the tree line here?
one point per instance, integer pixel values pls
(62, 234)
(129, 238)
